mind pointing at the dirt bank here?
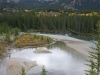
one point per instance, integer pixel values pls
(77, 44)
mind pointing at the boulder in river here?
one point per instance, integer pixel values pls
(14, 66)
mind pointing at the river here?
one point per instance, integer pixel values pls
(62, 61)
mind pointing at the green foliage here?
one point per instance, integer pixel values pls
(1, 53)
(92, 70)
(48, 40)
(7, 32)
(32, 40)
(82, 22)
(94, 62)
(35, 36)
(43, 71)
(16, 31)
(42, 38)
(23, 71)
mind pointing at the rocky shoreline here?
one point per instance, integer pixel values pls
(14, 65)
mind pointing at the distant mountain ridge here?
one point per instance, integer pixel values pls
(57, 4)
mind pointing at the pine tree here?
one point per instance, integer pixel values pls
(92, 70)
(43, 71)
(23, 71)
(94, 62)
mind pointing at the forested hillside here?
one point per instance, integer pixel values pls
(81, 22)
(52, 15)
(56, 4)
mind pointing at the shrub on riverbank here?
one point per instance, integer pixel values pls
(8, 33)
(32, 40)
(23, 71)
(43, 71)
(7, 36)
(2, 47)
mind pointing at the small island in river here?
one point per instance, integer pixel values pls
(25, 40)
(32, 40)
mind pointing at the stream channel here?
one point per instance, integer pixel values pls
(62, 61)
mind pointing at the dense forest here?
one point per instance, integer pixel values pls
(82, 22)
(20, 17)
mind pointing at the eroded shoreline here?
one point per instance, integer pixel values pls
(76, 44)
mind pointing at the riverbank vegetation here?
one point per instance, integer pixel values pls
(80, 22)
(2, 48)
(23, 72)
(77, 22)
(43, 71)
(8, 33)
(94, 61)
(32, 40)
(7, 36)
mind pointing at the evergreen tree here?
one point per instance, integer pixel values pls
(6, 31)
(23, 71)
(94, 62)
(43, 71)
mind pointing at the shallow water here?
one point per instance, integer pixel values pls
(3, 67)
(78, 36)
(62, 61)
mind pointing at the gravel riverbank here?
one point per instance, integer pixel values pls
(14, 65)
(77, 44)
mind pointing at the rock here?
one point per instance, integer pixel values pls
(14, 66)
(41, 50)
(29, 65)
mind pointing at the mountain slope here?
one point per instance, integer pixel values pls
(57, 4)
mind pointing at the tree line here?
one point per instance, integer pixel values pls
(94, 58)
(52, 21)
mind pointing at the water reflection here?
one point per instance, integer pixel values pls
(83, 37)
(58, 44)
(62, 61)
(3, 67)
(78, 36)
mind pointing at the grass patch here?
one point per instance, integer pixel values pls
(2, 48)
(32, 40)
(1, 53)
